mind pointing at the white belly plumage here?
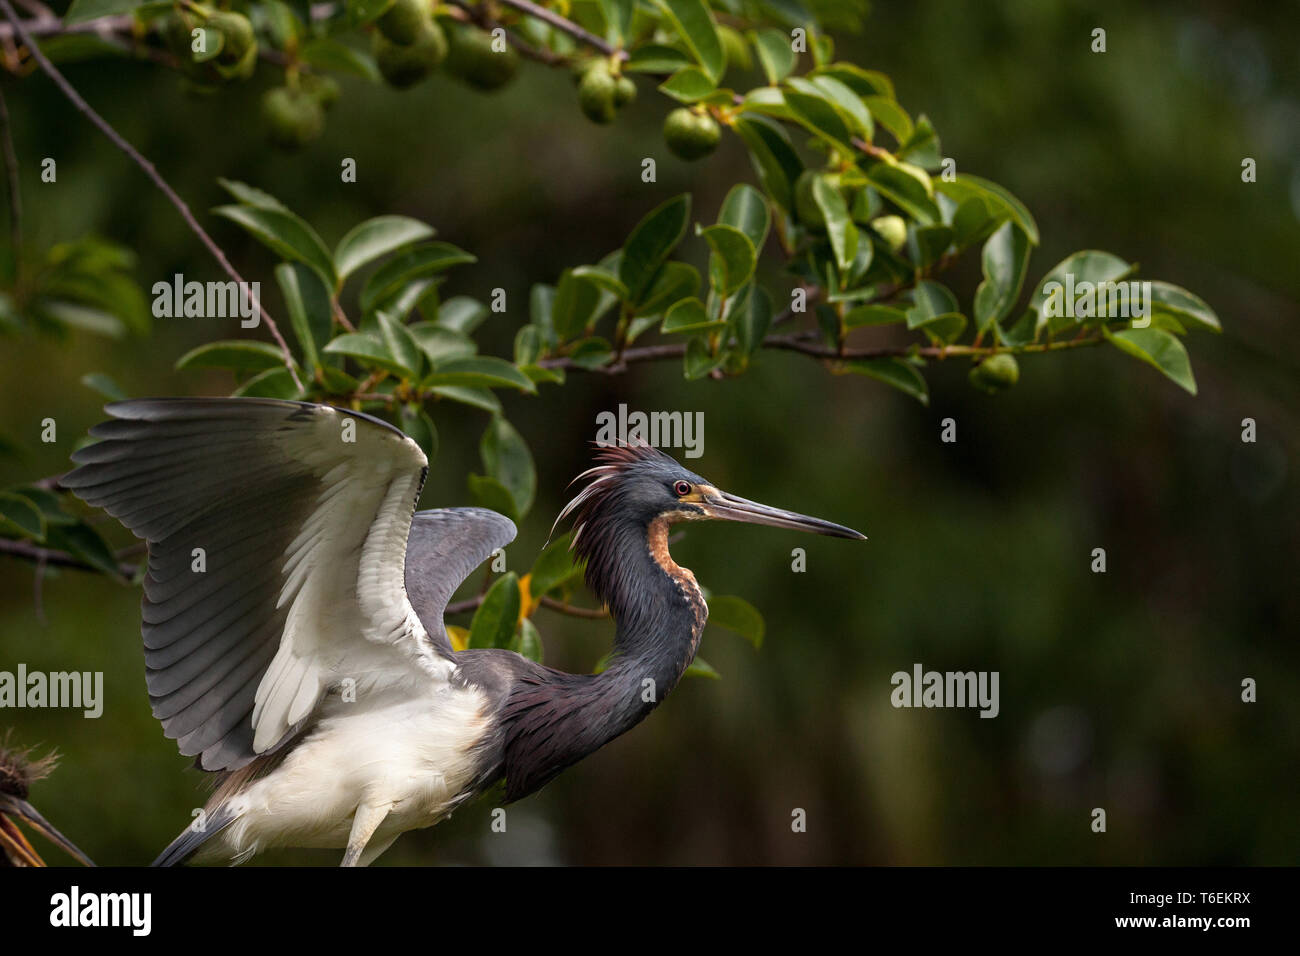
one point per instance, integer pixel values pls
(409, 752)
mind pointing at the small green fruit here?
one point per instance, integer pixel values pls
(237, 33)
(892, 229)
(597, 93)
(404, 66)
(294, 116)
(735, 49)
(471, 58)
(995, 373)
(691, 135)
(624, 91)
(322, 88)
(404, 21)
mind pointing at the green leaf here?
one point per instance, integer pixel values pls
(650, 244)
(821, 118)
(848, 104)
(494, 621)
(104, 385)
(309, 308)
(654, 58)
(733, 259)
(376, 238)
(1090, 266)
(506, 458)
(272, 383)
(929, 299)
(591, 353)
(873, 315)
(82, 10)
(528, 641)
(553, 568)
(423, 260)
(368, 349)
(242, 355)
(286, 235)
(251, 195)
(327, 54)
(574, 307)
(738, 616)
(694, 23)
(21, 516)
(840, 229)
(775, 53)
(440, 344)
(490, 493)
(49, 505)
(688, 85)
(1158, 349)
(892, 371)
(746, 209)
(480, 398)
(752, 318)
(462, 314)
(966, 186)
(602, 279)
(83, 542)
(774, 157)
(673, 281)
(905, 191)
(401, 345)
(922, 146)
(699, 361)
(479, 371)
(528, 346)
(701, 668)
(82, 317)
(688, 315)
(1005, 260)
(1182, 305)
(891, 116)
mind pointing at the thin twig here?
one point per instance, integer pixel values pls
(565, 26)
(54, 558)
(149, 169)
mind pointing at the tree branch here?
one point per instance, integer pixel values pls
(564, 26)
(85, 109)
(11, 180)
(54, 558)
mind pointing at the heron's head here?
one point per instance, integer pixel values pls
(639, 486)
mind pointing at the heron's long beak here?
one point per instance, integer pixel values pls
(12, 840)
(728, 507)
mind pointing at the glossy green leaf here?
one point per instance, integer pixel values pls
(745, 208)
(84, 543)
(650, 244)
(816, 114)
(440, 344)
(242, 355)
(401, 345)
(553, 568)
(376, 238)
(462, 314)
(905, 191)
(733, 259)
(840, 229)
(1005, 260)
(286, 235)
(965, 186)
(415, 421)
(775, 53)
(873, 315)
(688, 85)
(602, 279)
(19, 515)
(1158, 349)
(491, 494)
(774, 157)
(693, 21)
(751, 318)
(701, 668)
(892, 371)
(528, 641)
(424, 260)
(653, 58)
(507, 459)
(251, 195)
(480, 371)
(272, 383)
(494, 621)
(574, 308)
(699, 361)
(104, 385)
(328, 54)
(309, 308)
(368, 349)
(1069, 295)
(82, 10)
(591, 352)
(675, 280)
(688, 315)
(1184, 306)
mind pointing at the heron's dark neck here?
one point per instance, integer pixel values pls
(659, 613)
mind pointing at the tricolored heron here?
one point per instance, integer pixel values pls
(293, 618)
(18, 771)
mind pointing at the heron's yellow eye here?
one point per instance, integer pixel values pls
(681, 488)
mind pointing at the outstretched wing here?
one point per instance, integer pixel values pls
(445, 545)
(277, 537)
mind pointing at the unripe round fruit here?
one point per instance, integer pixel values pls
(404, 66)
(691, 135)
(806, 207)
(624, 91)
(175, 32)
(596, 94)
(404, 21)
(995, 373)
(237, 35)
(892, 229)
(295, 117)
(735, 49)
(323, 89)
(471, 58)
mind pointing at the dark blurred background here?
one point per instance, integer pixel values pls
(1119, 691)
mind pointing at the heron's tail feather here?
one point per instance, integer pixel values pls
(190, 839)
